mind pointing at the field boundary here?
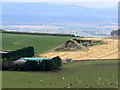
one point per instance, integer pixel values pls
(30, 33)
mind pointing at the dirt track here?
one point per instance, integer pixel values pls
(105, 51)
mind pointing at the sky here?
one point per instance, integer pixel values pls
(85, 3)
(110, 4)
(60, 0)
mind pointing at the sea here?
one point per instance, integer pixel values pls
(77, 29)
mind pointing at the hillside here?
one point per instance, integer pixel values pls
(79, 74)
(48, 43)
(91, 74)
(40, 43)
(104, 51)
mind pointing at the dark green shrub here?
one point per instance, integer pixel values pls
(14, 55)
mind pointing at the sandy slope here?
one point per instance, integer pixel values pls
(105, 51)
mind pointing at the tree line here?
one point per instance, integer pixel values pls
(44, 65)
(29, 65)
(115, 32)
(41, 65)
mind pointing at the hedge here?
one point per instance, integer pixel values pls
(29, 33)
(14, 55)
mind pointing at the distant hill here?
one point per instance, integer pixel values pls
(36, 13)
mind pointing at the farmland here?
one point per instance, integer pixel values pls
(40, 43)
(109, 50)
(81, 74)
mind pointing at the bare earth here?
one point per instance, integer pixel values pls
(105, 51)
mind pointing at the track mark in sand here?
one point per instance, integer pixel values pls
(116, 51)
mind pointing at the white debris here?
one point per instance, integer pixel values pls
(102, 83)
(99, 78)
(98, 83)
(68, 87)
(113, 76)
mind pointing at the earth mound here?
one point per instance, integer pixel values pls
(76, 44)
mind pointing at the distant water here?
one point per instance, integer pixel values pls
(78, 29)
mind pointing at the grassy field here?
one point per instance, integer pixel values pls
(81, 74)
(40, 43)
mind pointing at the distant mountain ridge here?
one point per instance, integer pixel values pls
(48, 12)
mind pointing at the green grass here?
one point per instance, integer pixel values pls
(40, 43)
(89, 71)
(73, 73)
